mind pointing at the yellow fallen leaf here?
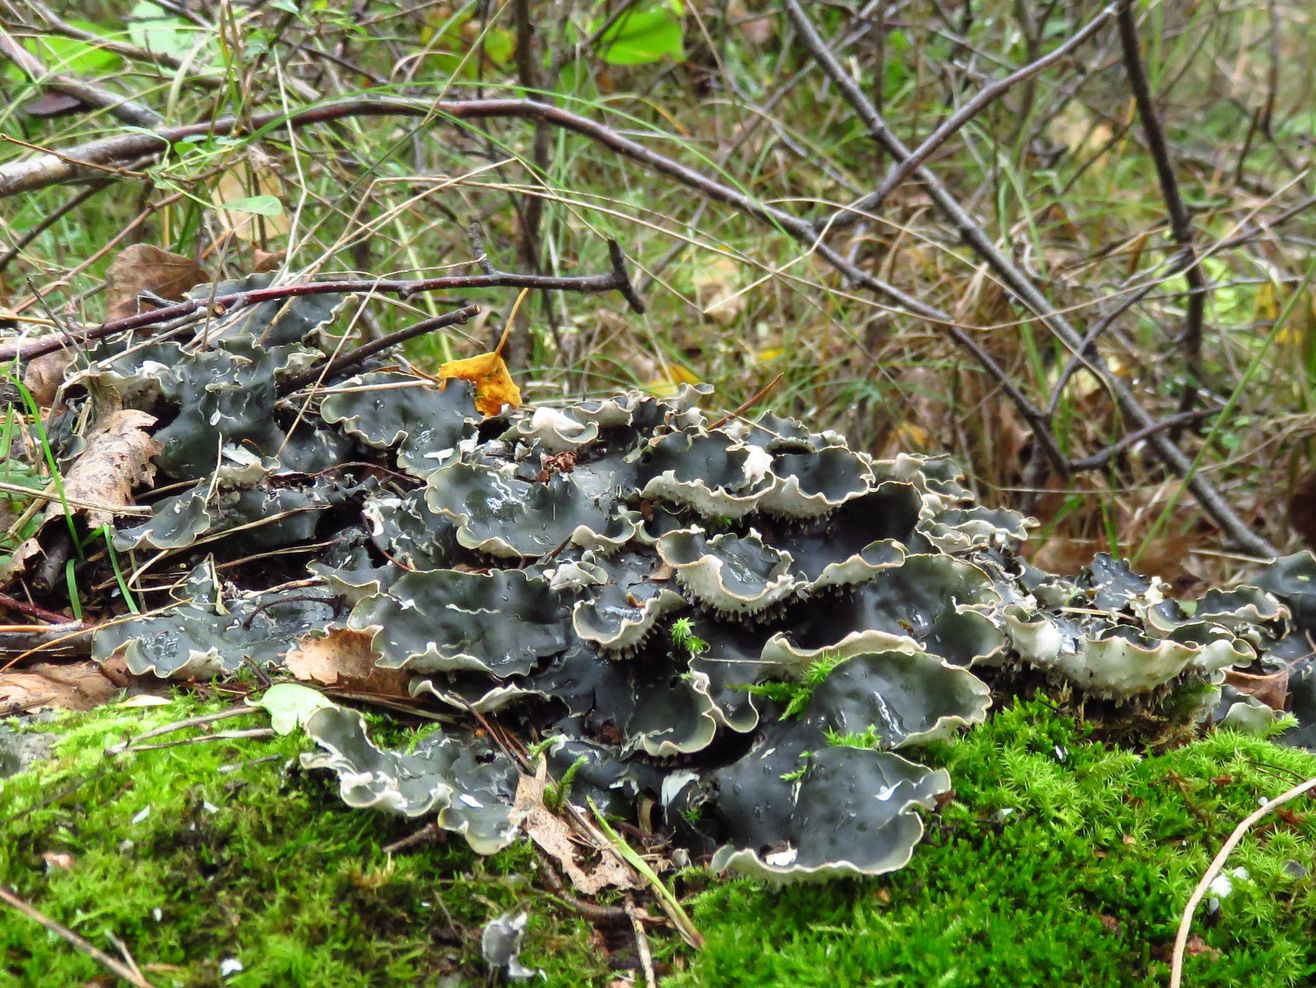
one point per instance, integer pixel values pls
(494, 386)
(669, 381)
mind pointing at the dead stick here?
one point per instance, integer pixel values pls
(104, 959)
(1217, 863)
(618, 279)
(1181, 224)
(354, 357)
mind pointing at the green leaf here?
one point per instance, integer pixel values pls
(60, 54)
(150, 27)
(499, 46)
(646, 34)
(260, 205)
(289, 705)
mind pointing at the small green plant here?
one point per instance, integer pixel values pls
(795, 695)
(685, 640)
(797, 774)
(867, 738)
(557, 793)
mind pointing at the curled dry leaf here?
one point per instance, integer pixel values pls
(116, 460)
(263, 261)
(144, 268)
(1271, 689)
(44, 374)
(344, 658)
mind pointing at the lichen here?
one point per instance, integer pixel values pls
(534, 564)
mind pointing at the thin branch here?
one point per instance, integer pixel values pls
(1022, 286)
(222, 305)
(1172, 422)
(1217, 863)
(32, 610)
(355, 357)
(119, 107)
(986, 96)
(1181, 224)
(56, 25)
(118, 968)
(50, 220)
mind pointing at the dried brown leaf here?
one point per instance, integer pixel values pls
(344, 658)
(1271, 689)
(49, 685)
(44, 374)
(556, 838)
(144, 268)
(263, 261)
(116, 460)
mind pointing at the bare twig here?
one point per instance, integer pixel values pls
(1181, 225)
(986, 96)
(1217, 863)
(220, 305)
(338, 365)
(50, 220)
(1022, 286)
(118, 968)
(428, 834)
(120, 107)
(1101, 457)
(32, 610)
(641, 945)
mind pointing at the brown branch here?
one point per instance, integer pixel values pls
(119, 107)
(1181, 224)
(118, 968)
(986, 96)
(50, 220)
(32, 610)
(340, 364)
(221, 305)
(1101, 457)
(1023, 288)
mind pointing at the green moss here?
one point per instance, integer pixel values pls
(1059, 861)
(227, 849)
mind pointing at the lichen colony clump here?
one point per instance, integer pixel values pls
(745, 627)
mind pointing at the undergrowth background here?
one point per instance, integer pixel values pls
(1056, 171)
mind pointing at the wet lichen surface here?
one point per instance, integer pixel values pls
(1058, 860)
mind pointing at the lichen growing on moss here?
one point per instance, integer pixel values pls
(1058, 861)
(228, 850)
(533, 562)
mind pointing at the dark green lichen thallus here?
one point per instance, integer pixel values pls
(739, 624)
